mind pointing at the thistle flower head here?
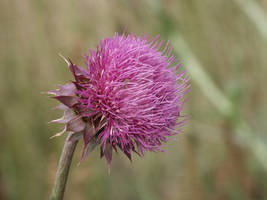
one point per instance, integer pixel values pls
(129, 97)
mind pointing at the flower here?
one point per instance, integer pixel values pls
(129, 97)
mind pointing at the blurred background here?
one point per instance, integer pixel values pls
(222, 151)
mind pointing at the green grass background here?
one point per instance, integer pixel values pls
(222, 152)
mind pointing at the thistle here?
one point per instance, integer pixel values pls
(129, 97)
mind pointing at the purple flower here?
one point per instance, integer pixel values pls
(130, 97)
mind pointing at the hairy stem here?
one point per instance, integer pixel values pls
(63, 169)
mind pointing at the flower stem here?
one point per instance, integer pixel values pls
(63, 169)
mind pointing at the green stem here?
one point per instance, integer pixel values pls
(63, 169)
